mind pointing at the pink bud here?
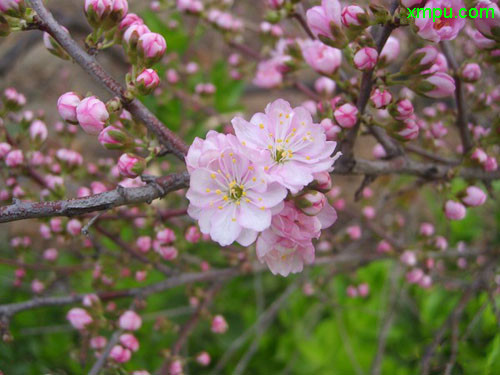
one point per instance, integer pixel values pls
(369, 212)
(151, 46)
(381, 98)
(98, 342)
(203, 358)
(14, 158)
(112, 138)
(134, 32)
(414, 276)
(364, 290)
(402, 110)
(311, 203)
(141, 275)
(439, 85)
(92, 115)
(490, 164)
(475, 197)
(366, 58)
(384, 247)
(50, 255)
(90, 300)
(322, 58)
(322, 182)
(131, 165)
(441, 243)
(325, 85)
(144, 243)
(219, 324)
(120, 354)
(409, 130)
(66, 105)
(166, 252)
(471, 72)
(426, 229)
(353, 15)
(275, 4)
(390, 52)
(147, 81)
(38, 131)
(409, 258)
(378, 151)
(346, 115)
(454, 210)
(129, 341)
(175, 368)
(193, 234)
(490, 24)
(331, 130)
(74, 227)
(479, 155)
(79, 318)
(321, 18)
(354, 232)
(4, 149)
(172, 76)
(129, 20)
(37, 286)
(130, 321)
(352, 291)
(425, 282)
(166, 236)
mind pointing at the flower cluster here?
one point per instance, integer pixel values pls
(253, 182)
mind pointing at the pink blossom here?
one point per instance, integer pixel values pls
(129, 341)
(322, 58)
(287, 245)
(79, 318)
(322, 182)
(409, 130)
(134, 32)
(229, 194)
(131, 165)
(56, 225)
(37, 286)
(141, 275)
(443, 28)
(321, 18)
(92, 115)
(90, 300)
(292, 147)
(366, 58)
(369, 212)
(172, 76)
(475, 196)
(331, 130)
(354, 232)
(129, 20)
(346, 115)
(275, 4)
(438, 130)
(454, 210)
(352, 291)
(219, 324)
(175, 368)
(203, 358)
(130, 321)
(402, 109)
(120, 354)
(479, 155)
(166, 252)
(425, 282)
(441, 243)
(112, 138)
(191, 6)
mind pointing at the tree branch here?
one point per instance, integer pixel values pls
(462, 117)
(99, 202)
(47, 23)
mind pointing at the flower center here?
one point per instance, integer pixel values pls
(236, 191)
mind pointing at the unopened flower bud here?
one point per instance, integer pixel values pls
(346, 115)
(474, 196)
(354, 16)
(401, 110)
(38, 131)
(311, 203)
(366, 58)
(113, 138)
(92, 115)
(151, 47)
(470, 72)
(219, 324)
(438, 85)
(147, 81)
(322, 182)
(131, 165)
(381, 98)
(66, 105)
(13, 8)
(454, 210)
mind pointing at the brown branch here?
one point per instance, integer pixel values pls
(91, 66)
(462, 117)
(365, 89)
(99, 202)
(431, 156)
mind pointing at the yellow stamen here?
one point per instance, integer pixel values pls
(208, 190)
